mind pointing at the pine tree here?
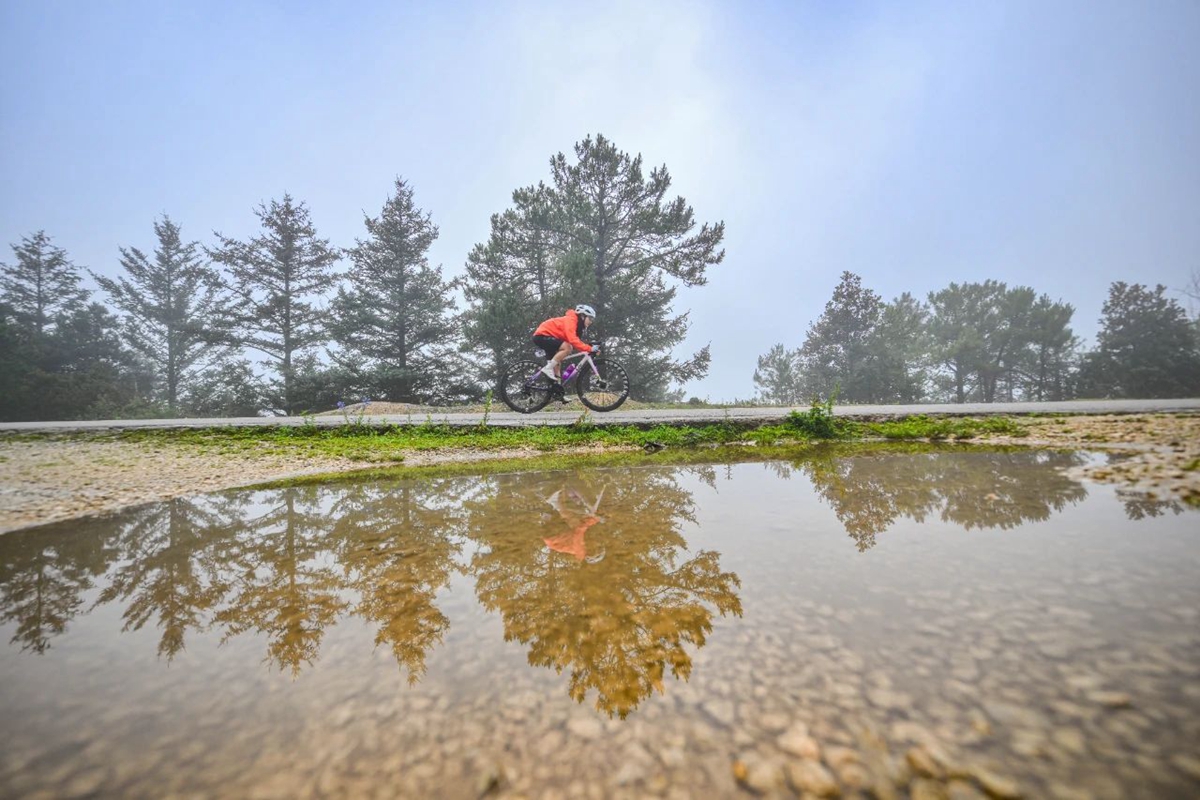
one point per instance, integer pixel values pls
(172, 305)
(394, 321)
(604, 233)
(1146, 346)
(899, 348)
(276, 279)
(1051, 357)
(777, 376)
(42, 284)
(836, 355)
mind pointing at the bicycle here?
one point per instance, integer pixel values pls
(601, 384)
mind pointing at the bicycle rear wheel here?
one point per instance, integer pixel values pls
(606, 391)
(524, 388)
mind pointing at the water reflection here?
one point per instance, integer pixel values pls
(590, 572)
(616, 612)
(869, 492)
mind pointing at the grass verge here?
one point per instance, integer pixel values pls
(370, 444)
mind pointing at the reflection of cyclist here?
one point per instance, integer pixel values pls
(558, 336)
(572, 542)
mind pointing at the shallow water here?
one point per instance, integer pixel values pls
(912, 623)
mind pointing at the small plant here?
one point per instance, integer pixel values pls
(818, 422)
(487, 410)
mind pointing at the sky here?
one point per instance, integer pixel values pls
(1051, 145)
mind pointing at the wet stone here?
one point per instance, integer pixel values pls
(812, 777)
(925, 789)
(1111, 699)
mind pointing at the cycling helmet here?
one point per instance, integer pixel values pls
(586, 310)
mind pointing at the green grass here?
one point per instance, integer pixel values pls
(389, 444)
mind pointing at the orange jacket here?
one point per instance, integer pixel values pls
(564, 328)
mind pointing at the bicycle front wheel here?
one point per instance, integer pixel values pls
(524, 388)
(604, 391)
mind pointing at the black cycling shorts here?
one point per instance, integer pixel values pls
(548, 343)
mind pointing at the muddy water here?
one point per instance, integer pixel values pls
(911, 624)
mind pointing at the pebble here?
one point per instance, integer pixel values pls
(1111, 699)
(809, 776)
(925, 789)
(997, 786)
(922, 763)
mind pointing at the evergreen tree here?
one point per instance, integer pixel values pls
(777, 377)
(604, 233)
(1146, 346)
(42, 284)
(61, 357)
(961, 315)
(899, 348)
(836, 355)
(276, 279)
(172, 306)
(394, 321)
(227, 387)
(514, 280)
(1050, 362)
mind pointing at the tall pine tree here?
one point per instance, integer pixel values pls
(172, 308)
(394, 322)
(1146, 346)
(277, 280)
(42, 284)
(837, 356)
(605, 233)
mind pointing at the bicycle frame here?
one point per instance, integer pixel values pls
(583, 358)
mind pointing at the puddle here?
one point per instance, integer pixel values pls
(903, 622)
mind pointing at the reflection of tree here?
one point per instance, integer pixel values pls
(171, 567)
(975, 489)
(397, 548)
(286, 586)
(619, 620)
(1139, 506)
(288, 563)
(43, 575)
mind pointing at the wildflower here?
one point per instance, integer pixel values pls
(341, 404)
(366, 401)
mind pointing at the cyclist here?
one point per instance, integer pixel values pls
(560, 335)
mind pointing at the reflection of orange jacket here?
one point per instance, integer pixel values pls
(564, 328)
(572, 543)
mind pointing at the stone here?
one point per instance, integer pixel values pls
(773, 722)
(837, 756)
(720, 710)
(585, 727)
(926, 789)
(922, 763)
(1189, 765)
(809, 776)
(997, 786)
(757, 774)
(962, 790)
(887, 699)
(854, 776)
(1111, 699)
(1070, 740)
(798, 744)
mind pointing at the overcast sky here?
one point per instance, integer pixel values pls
(1049, 144)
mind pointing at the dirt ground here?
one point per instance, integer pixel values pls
(49, 480)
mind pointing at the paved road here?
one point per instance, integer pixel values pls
(572, 412)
